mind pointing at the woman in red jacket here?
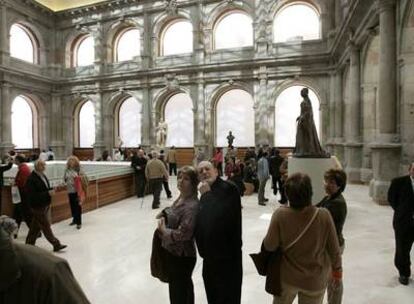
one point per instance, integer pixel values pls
(22, 210)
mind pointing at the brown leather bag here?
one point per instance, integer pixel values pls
(159, 259)
(268, 262)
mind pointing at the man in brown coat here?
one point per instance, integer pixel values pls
(156, 173)
(32, 275)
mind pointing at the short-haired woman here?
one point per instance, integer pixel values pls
(306, 264)
(335, 182)
(176, 227)
(72, 172)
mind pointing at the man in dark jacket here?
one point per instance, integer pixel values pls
(218, 236)
(2, 169)
(401, 199)
(275, 161)
(138, 163)
(31, 275)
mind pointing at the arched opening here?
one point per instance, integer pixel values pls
(179, 117)
(287, 110)
(177, 38)
(24, 123)
(296, 22)
(86, 125)
(232, 30)
(235, 113)
(23, 44)
(129, 122)
(127, 44)
(83, 51)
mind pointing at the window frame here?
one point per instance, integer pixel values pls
(117, 38)
(75, 49)
(164, 29)
(35, 121)
(33, 39)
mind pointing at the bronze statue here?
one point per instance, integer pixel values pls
(230, 139)
(307, 142)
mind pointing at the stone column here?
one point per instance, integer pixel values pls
(57, 127)
(198, 34)
(4, 34)
(339, 106)
(146, 48)
(99, 145)
(386, 151)
(197, 96)
(338, 13)
(353, 146)
(100, 48)
(331, 114)
(262, 131)
(146, 126)
(6, 133)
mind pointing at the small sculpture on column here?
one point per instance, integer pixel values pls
(307, 142)
(230, 139)
(161, 130)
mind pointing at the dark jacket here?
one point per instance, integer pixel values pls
(31, 275)
(219, 226)
(2, 169)
(37, 191)
(401, 199)
(138, 164)
(337, 208)
(274, 165)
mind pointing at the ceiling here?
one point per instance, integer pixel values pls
(59, 5)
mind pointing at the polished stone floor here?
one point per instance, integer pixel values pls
(110, 254)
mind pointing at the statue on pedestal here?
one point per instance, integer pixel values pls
(307, 142)
(161, 134)
(230, 139)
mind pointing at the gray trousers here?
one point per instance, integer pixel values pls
(262, 186)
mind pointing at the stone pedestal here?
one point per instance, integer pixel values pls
(385, 164)
(315, 168)
(353, 161)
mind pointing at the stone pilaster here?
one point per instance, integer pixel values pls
(4, 35)
(146, 56)
(338, 13)
(386, 150)
(57, 127)
(146, 127)
(338, 117)
(99, 145)
(6, 131)
(331, 114)
(353, 145)
(100, 48)
(198, 97)
(262, 136)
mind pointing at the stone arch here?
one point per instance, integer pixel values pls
(76, 106)
(162, 21)
(40, 47)
(215, 97)
(407, 29)
(222, 10)
(318, 6)
(70, 43)
(115, 29)
(161, 99)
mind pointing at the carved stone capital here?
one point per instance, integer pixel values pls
(385, 5)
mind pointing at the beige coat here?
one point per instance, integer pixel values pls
(155, 169)
(172, 156)
(307, 264)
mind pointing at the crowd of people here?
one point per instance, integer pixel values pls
(207, 215)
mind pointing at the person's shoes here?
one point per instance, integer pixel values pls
(282, 202)
(403, 280)
(262, 204)
(72, 223)
(39, 235)
(169, 196)
(78, 226)
(155, 207)
(59, 247)
(15, 235)
(266, 199)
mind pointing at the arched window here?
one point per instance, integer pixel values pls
(86, 126)
(233, 30)
(84, 51)
(127, 44)
(129, 121)
(180, 120)
(177, 38)
(235, 113)
(296, 22)
(24, 123)
(287, 110)
(23, 44)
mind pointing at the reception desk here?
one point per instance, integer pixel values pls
(109, 182)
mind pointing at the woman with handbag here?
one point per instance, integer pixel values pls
(71, 178)
(306, 235)
(176, 229)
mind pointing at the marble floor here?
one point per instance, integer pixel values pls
(110, 254)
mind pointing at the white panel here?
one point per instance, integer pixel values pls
(21, 46)
(180, 120)
(235, 113)
(128, 45)
(130, 122)
(234, 30)
(87, 125)
(22, 123)
(178, 38)
(85, 54)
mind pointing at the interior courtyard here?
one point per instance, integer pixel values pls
(84, 77)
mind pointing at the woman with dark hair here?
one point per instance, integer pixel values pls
(306, 235)
(335, 182)
(176, 228)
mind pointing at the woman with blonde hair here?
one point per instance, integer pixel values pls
(176, 230)
(71, 177)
